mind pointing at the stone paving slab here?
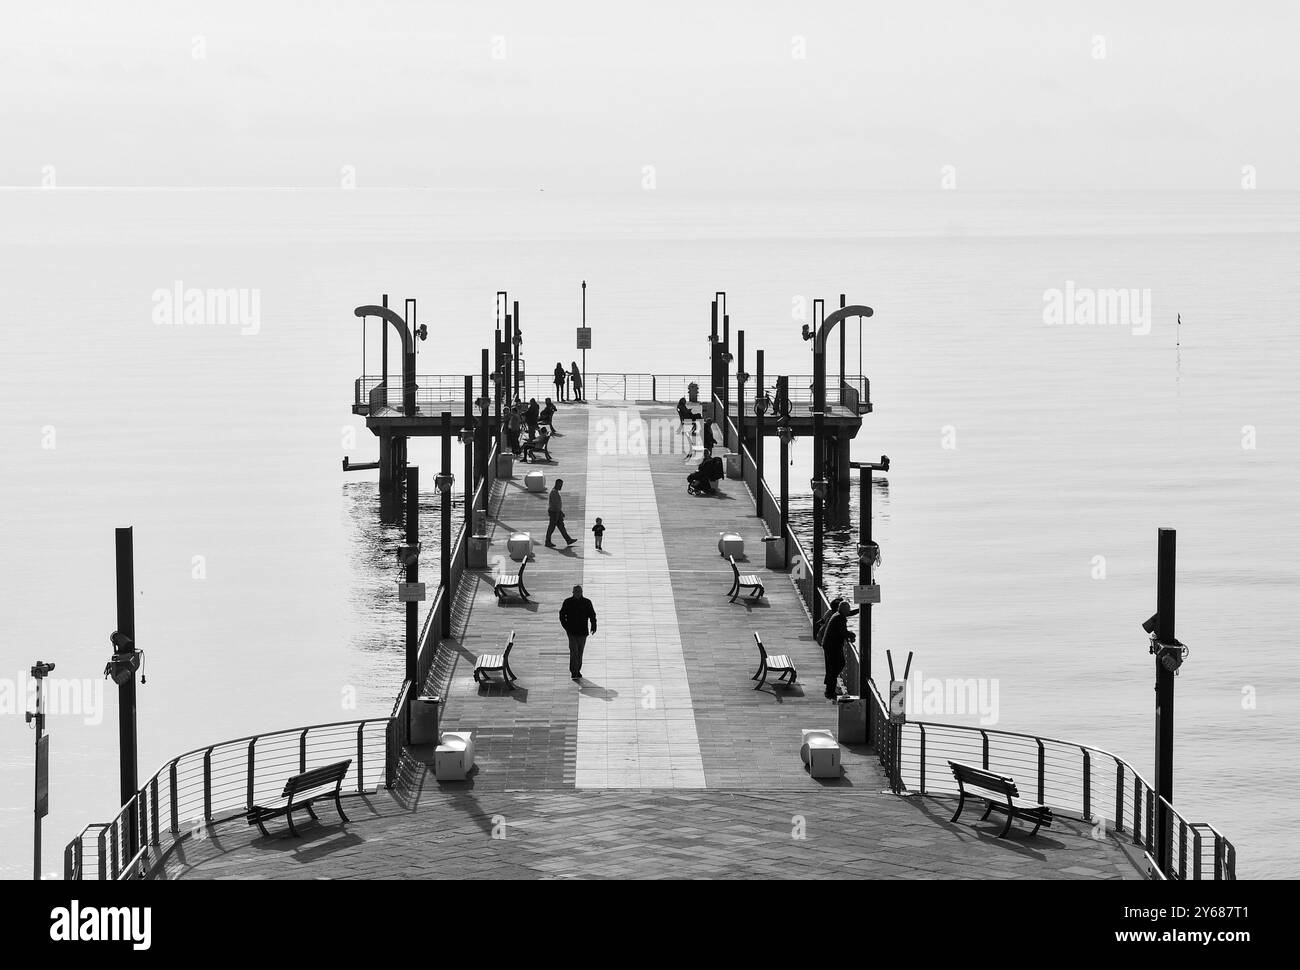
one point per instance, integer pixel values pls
(462, 831)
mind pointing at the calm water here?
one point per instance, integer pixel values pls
(1070, 443)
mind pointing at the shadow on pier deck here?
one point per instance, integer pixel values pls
(663, 761)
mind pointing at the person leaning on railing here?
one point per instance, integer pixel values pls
(835, 638)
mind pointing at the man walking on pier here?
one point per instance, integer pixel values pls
(575, 613)
(555, 512)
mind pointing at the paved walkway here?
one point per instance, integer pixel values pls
(663, 761)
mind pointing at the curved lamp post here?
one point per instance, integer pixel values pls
(408, 348)
(818, 337)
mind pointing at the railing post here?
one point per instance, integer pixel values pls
(302, 751)
(985, 735)
(1196, 853)
(1042, 764)
(1087, 785)
(1182, 848)
(112, 838)
(361, 756)
(1137, 810)
(207, 785)
(153, 810)
(1119, 795)
(248, 801)
(102, 872)
(654, 388)
(171, 785)
(922, 727)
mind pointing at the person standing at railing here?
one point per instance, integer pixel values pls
(709, 440)
(834, 641)
(576, 375)
(560, 376)
(513, 425)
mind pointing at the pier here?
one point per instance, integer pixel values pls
(663, 760)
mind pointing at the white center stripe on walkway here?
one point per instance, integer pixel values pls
(636, 724)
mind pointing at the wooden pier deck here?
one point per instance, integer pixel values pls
(663, 761)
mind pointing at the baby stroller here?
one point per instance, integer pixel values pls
(700, 482)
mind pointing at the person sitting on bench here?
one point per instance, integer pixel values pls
(685, 413)
(540, 443)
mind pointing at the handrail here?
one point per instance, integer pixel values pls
(217, 783)
(910, 750)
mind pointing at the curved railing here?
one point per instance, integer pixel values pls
(1089, 783)
(217, 783)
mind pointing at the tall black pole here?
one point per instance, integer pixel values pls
(413, 576)
(783, 394)
(126, 705)
(509, 388)
(740, 389)
(819, 462)
(758, 437)
(715, 350)
(469, 439)
(444, 501)
(514, 368)
(864, 577)
(725, 372)
(584, 349)
(384, 360)
(843, 349)
(481, 439)
(1165, 579)
(499, 372)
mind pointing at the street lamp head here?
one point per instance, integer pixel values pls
(818, 487)
(422, 332)
(807, 332)
(444, 481)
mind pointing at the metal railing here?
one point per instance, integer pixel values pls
(1089, 782)
(436, 391)
(218, 783)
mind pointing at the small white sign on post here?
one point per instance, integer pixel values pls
(898, 701)
(584, 338)
(410, 592)
(866, 594)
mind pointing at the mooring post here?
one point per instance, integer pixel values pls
(481, 428)
(740, 392)
(758, 437)
(1166, 645)
(518, 339)
(783, 394)
(444, 502)
(467, 438)
(126, 703)
(413, 576)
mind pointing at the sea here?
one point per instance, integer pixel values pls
(1055, 377)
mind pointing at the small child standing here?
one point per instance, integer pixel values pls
(599, 531)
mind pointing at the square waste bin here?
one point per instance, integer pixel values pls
(424, 719)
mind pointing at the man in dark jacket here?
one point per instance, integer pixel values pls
(709, 440)
(555, 515)
(531, 416)
(834, 640)
(575, 613)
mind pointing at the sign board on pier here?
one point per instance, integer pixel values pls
(410, 592)
(866, 594)
(584, 338)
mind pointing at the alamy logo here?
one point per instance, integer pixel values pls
(953, 697)
(1080, 306)
(211, 307)
(116, 924)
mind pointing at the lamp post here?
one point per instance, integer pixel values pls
(782, 408)
(121, 668)
(818, 334)
(1169, 654)
(410, 554)
(445, 480)
(41, 801)
(584, 327)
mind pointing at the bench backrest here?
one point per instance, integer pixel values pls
(510, 645)
(762, 650)
(332, 774)
(522, 566)
(736, 569)
(979, 778)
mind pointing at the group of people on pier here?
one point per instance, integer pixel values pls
(568, 383)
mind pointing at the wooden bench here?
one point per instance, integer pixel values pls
(300, 791)
(488, 662)
(770, 663)
(1007, 798)
(513, 581)
(530, 447)
(743, 581)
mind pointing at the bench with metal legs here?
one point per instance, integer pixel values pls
(772, 663)
(489, 662)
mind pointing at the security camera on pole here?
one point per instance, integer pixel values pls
(36, 717)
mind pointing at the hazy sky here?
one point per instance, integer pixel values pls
(714, 95)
